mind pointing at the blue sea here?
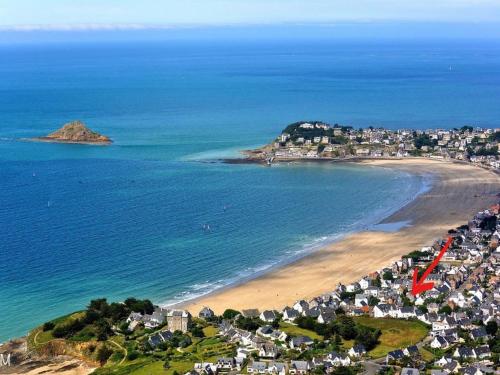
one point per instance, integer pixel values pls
(156, 215)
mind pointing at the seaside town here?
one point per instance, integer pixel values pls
(318, 140)
(372, 326)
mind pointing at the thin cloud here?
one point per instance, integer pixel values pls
(86, 27)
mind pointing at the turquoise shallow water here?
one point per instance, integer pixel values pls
(79, 222)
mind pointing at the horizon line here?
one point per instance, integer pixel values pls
(151, 26)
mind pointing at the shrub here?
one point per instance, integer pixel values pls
(133, 355)
(67, 329)
(230, 314)
(48, 326)
(103, 354)
(197, 331)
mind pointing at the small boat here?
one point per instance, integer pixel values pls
(48, 203)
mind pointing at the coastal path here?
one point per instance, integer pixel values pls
(125, 351)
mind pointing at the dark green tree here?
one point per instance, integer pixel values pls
(103, 354)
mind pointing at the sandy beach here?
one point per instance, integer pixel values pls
(459, 191)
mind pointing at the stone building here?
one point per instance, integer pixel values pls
(178, 320)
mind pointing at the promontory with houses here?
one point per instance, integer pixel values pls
(316, 140)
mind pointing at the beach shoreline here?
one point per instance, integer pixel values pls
(458, 191)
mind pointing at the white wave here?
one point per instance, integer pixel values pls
(217, 154)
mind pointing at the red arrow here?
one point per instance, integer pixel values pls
(421, 286)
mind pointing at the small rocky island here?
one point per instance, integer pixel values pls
(75, 132)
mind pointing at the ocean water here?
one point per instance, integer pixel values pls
(80, 222)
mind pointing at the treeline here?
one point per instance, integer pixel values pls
(345, 327)
(98, 319)
(483, 151)
(420, 140)
(296, 131)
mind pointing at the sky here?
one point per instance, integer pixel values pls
(120, 14)
(33, 21)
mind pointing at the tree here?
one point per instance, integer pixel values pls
(337, 341)
(367, 336)
(489, 223)
(48, 326)
(134, 354)
(67, 329)
(491, 328)
(339, 311)
(423, 140)
(306, 322)
(346, 327)
(118, 311)
(142, 306)
(388, 276)
(103, 354)
(373, 301)
(343, 371)
(230, 314)
(99, 304)
(248, 324)
(445, 310)
(197, 331)
(103, 329)
(320, 370)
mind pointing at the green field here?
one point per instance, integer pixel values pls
(37, 337)
(210, 331)
(292, 330)
(396, 333)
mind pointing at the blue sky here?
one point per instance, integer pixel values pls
(109, 14)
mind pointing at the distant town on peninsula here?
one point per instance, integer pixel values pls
(319, 140)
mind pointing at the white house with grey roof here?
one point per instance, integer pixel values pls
(268, 316)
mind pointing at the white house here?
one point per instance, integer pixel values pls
(267, 316)
(361, 300)
(439, 342)
(382, 310)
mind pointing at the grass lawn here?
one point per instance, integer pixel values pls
(347, 344)
(292, 330)
(210, 331)
(157, 368)
(396, 333)
(209, 341)
(426, 355)
(44, 337)
(138, 366)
